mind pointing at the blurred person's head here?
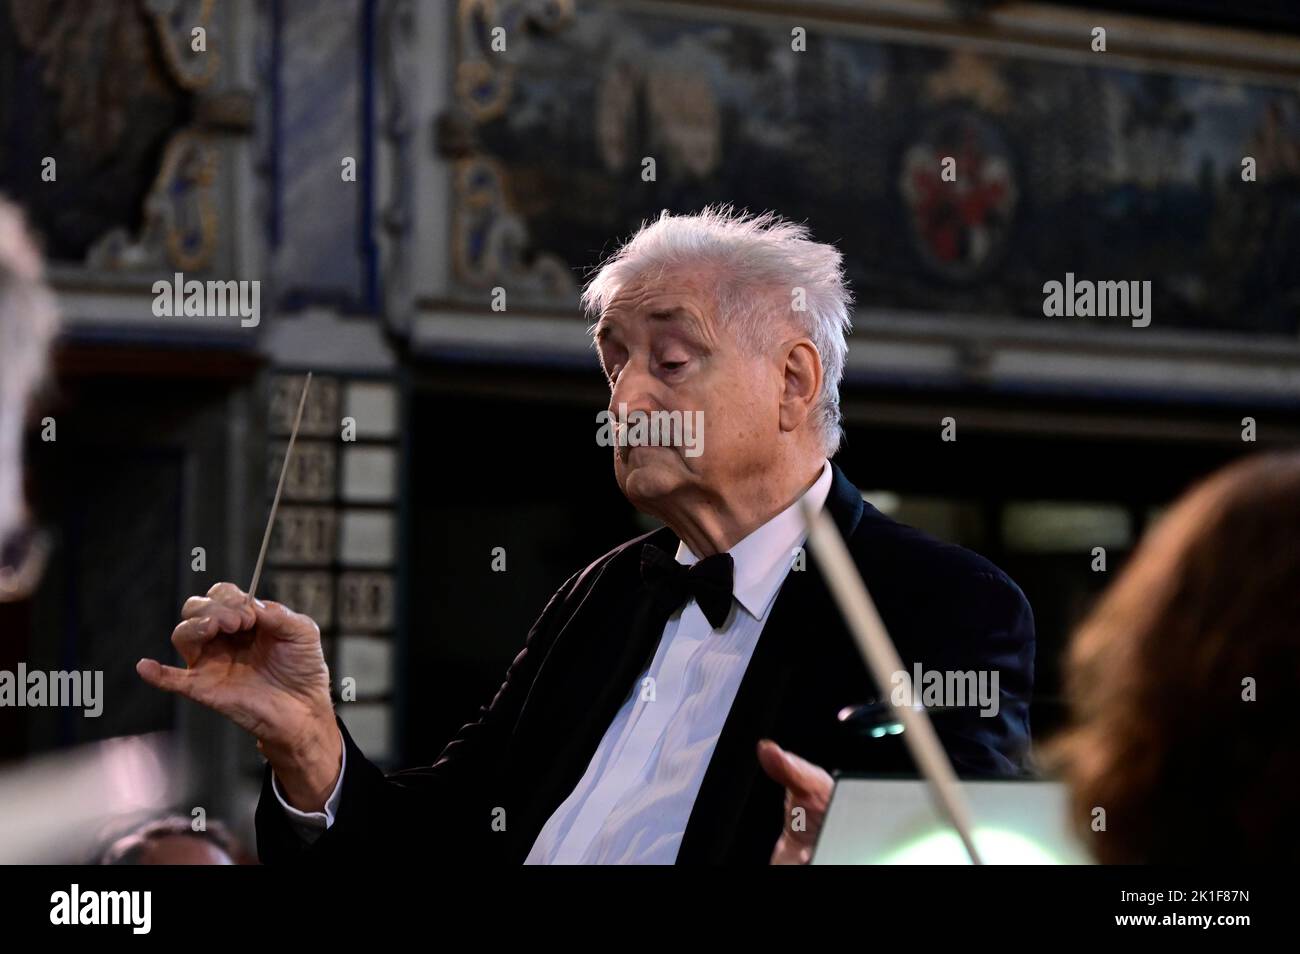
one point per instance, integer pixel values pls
(27, 323)
(1183, 682)
(740, 317)
(173, 841)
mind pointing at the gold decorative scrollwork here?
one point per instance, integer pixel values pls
(489, 240)
(99, 61)
(484, 73)
(180, 216)
(191, 70)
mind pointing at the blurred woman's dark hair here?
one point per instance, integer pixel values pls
(1184, 682)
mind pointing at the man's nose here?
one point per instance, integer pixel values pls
(636, 389)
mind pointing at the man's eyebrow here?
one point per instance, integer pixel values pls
(676, 314)
(673, 314)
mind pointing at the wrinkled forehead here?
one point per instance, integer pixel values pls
(702, 303)
(676, 298)
(665, 287)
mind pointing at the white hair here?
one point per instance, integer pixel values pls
(27, 322)
(765, 268)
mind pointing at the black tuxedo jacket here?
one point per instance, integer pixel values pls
(946, 608)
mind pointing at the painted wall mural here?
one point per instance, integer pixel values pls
(111, 91)
(1066, 164)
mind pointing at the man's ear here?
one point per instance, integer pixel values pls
(801, 383)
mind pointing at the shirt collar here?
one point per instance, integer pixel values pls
(763, 558)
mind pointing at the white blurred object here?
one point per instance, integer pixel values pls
(56, 807)
(883, 662)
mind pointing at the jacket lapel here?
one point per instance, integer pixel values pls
(802, 607)
(592, 667)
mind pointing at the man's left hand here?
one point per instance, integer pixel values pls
(807, 793)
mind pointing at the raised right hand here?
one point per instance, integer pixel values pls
(261, 666)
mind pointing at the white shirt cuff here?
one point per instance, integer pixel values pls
(309, 825)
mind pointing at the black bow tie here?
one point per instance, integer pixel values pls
(672, 584)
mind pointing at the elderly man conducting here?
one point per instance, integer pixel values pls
(654, 712)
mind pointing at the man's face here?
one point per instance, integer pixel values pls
(663, 349)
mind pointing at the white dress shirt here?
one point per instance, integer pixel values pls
(633, 802)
